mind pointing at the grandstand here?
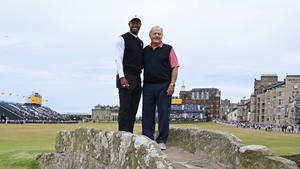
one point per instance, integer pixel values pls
(187, 112)
(31, 112)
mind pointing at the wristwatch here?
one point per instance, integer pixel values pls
(172, 84)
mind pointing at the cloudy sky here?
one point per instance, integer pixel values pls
(64, 49)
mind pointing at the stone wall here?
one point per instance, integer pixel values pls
(226, 149)
(87, 148)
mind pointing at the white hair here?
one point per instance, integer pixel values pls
(156, 27)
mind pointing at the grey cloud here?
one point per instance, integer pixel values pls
(65, 49)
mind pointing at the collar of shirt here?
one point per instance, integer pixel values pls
(133, 35)
(154, 47)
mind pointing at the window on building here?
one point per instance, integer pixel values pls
(279, 110)
(279, 93)
(207, 96)
(283, 109)
(295, 93)
(280, 101)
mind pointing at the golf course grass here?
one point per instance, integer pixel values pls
(19, 144)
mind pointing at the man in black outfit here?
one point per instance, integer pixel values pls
(129, 58)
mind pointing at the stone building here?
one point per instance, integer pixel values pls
(232, 116)
(243, 110)
(226, 107)
(275, 102)
(240, 112)
(101, 113)
(297, 109)
(208, 97)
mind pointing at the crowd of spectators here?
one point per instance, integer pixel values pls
(286, 128)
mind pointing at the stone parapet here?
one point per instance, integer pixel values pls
(87, 148)
(226, 150)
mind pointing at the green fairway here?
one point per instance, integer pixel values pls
(19, 144)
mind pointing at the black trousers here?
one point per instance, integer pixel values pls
(129, 102)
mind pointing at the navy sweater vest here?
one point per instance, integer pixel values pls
(157, 68)
(133, 55)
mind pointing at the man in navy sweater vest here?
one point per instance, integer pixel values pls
(160, 74)
(129, 61)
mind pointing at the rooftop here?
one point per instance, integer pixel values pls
(277, 84)
(293, 76)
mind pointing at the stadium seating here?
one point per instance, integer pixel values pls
(29, 112)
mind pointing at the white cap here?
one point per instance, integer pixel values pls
(135, 17)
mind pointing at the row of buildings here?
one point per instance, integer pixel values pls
(272, 102)
(199, 104)
(237, 112)
(276, 102)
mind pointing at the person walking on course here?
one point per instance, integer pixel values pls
(129, 58)
(160, 74)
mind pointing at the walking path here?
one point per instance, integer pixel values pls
(182, 159)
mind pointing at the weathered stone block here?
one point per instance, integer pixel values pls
(258, 156)
(213, 145)
(226, 150)
(87, 148)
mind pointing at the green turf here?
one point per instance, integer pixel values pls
(19, 144)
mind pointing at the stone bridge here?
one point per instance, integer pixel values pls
(88, 148)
